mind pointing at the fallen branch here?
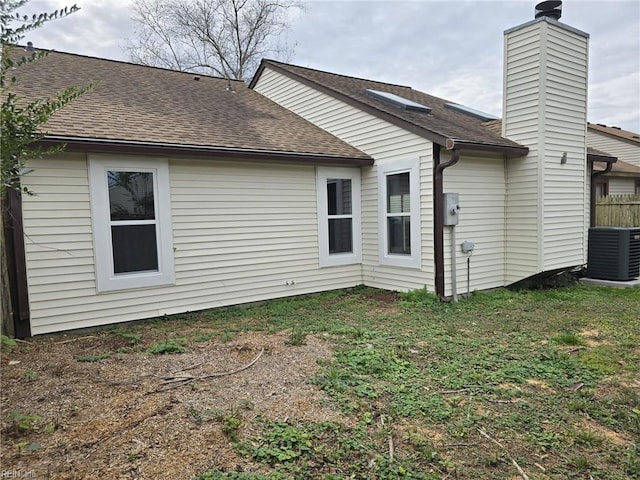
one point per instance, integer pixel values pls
(391, 448)
(515, 464)
(576, 349)
(520, 471)
(450, 392)
(515, 400)
(74, 339)
(190, 367)
(173, 381)
(486, 435)
(129, 426)
(540, 467)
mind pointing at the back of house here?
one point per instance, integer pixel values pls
(179, 192)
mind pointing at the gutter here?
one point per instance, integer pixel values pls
(592, 192)
(509, 151)
(438, 214)
(160, 148)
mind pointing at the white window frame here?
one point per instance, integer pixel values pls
(106, 279)
(326, 259)
(412, 166)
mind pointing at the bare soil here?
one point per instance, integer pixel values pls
(117, 418)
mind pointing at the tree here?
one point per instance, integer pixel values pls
(21, 120)
(225, 38)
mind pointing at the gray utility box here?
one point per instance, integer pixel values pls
(614, 253)
(451, 208)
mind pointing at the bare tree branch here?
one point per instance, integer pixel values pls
(220, 37)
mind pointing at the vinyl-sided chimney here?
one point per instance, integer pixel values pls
(545, 108)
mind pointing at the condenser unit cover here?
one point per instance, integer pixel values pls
(614, 253)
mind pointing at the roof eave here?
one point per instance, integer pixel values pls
(623, 174)
(594, 157)
(151, 148)
(256, 75)
(507, 150)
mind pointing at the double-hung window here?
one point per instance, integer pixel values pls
(131, 222)
(399, 219)
(339, 233)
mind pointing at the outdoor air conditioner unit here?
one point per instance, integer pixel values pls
(614, 253)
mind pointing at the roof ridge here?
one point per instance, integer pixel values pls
(123, 62)
(614, 131)
(351, 77)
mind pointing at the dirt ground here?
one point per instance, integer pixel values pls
(117, 418)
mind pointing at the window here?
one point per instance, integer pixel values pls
(637, 189)
(602, 187)
(398, 101)
(399, 207)
(339, 233)
(131, 222)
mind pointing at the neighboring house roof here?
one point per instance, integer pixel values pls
(158, 110)
(620, 168)
(617, 132)
(596, 155)
(442, 125)
(593, 154)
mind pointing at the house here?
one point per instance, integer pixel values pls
(524, 192)
(624, 178)
(178, 192)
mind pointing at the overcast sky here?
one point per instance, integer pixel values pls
(451, 49)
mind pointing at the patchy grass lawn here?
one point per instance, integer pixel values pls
(358, 384)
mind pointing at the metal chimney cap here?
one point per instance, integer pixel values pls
(550, 8)
(29, 47)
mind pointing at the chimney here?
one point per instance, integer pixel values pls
(545, 108)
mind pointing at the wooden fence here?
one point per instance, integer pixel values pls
(618, 211)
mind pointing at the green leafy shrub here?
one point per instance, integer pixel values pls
(8, 343)
(23, 421)
(92, 358)
(168, 346)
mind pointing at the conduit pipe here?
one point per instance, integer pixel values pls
(438, 214)
(454, 262)
(592, 194)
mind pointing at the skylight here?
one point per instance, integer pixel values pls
(398, 101)
(471, 111)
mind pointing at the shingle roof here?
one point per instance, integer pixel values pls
(620, 167)
(615, 131)
(140, 104)
(599, 156)
(440, 125)
(593, 153)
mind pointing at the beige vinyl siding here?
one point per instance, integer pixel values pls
(384, 142)
(242, 232)
(565, 120)
(545, 109)
(624, 150)
(480, 183)
(521, 124)
(622, 186)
